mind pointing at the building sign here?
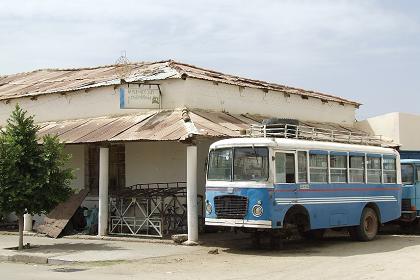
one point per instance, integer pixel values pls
(139, 96)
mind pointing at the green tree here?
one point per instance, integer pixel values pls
(33, 177)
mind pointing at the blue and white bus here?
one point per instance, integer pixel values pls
(410, 202)
(273, 184)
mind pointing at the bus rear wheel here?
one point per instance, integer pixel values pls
(368, 227)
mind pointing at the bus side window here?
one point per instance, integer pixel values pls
(285, 167)
(407, 174)
(302, 167)
(390, 170)
(338, 168)
(418, 173)
(318, 167)
(374, 171)
(357, 169)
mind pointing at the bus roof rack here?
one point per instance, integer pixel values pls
(293, 131)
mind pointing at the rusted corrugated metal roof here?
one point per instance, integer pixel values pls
(158, 125)
(164, 125)
(48, 81)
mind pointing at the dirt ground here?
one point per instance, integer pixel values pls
(390, 256)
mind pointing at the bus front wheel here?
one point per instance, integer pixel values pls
(368, 227)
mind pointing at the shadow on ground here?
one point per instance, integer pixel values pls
(335, 244)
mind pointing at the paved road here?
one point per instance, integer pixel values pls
(388, 257)
(82, 250)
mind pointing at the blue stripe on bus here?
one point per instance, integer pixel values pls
(357, 154)
(338, 153)
(318, 152)
(374, 155)
(389, 156)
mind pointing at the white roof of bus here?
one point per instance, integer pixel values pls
(283, 143)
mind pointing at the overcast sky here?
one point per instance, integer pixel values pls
(367, 50)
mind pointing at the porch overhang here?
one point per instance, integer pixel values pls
(159, 125)
(154, 125)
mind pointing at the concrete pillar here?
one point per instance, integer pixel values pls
(103, 191)
(27, 222)
(192, 214)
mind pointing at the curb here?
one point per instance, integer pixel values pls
(120, 238)
(95, 237)
(28, 233)
(24, 259)
(28, 259)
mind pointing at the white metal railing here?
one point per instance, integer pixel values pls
(315, 134)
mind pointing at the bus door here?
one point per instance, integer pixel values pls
(285, 174)
(410, 191)
(417, 187)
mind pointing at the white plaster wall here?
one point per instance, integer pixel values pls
(386, 125)
(409, 131)
(229, 98)
(402, 128)
(155, 162)
(150, 162)
(75, 105)
(176, 93)
(77, 162)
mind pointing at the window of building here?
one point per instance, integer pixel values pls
(374, 172)
(285, 168)
(357, 169)
(302, 167)
(318, 168)
(338, 168)
(390, 170)
(93, 169)
(116, 168)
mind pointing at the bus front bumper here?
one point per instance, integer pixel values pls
(408, 216)
(238, 223)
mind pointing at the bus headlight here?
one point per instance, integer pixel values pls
(257, 210)
(209, 208)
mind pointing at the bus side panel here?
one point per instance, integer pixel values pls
(338, 205)
(283, 197)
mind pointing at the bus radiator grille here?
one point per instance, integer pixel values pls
(231, 206)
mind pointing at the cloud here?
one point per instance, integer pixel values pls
(325, 45)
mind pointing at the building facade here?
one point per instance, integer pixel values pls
(398, 127)
(135, 126)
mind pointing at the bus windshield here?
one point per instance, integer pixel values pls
(407, 173)
(220, 165)
(249, 164)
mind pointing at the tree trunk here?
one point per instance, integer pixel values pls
(20, 232)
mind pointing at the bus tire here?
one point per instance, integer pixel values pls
(368, 227)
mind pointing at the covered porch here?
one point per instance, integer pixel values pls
(145, 172)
